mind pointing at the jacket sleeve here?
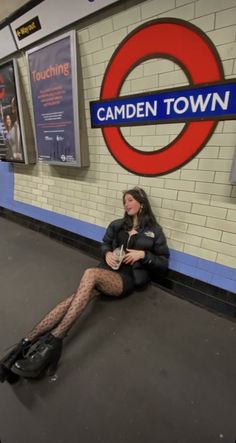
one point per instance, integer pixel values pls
(158, 257)
(108, 239)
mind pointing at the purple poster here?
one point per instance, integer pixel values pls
(10, 133)
(51, 84)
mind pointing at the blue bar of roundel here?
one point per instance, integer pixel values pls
(161, 103)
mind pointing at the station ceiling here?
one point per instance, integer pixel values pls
(9, 7)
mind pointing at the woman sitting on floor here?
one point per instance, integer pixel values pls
(143, 249)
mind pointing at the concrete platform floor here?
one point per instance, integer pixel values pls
(150, 368)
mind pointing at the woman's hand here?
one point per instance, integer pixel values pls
(133, 255)
(110, 260)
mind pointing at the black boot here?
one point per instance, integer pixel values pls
(9, 360)
(7, 375)
(44, 354)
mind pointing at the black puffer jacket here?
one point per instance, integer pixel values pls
(151, 240)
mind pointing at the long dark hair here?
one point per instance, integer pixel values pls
(146, 218)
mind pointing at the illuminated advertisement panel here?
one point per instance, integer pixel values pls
(11, 146)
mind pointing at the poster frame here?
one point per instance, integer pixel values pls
(22, 117)
(75, 98)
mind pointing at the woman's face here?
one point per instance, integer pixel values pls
(8, 120)
(132, 206)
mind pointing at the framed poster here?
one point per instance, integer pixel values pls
(11, 147)
(16, 135)
(54, 87)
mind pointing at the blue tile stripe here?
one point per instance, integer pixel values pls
(213, 273)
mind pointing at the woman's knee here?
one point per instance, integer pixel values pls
(90, 274)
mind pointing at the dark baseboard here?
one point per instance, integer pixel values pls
(203, 294)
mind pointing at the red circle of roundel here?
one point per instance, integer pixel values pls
(189, 47)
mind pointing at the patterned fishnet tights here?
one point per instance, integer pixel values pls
(62, 317)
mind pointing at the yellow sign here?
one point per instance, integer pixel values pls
(28, 28)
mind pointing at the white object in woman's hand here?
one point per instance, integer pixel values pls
(110, 259)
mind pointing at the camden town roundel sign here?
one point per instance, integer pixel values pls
(200, 105)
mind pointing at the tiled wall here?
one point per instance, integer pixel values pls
(196, 205)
